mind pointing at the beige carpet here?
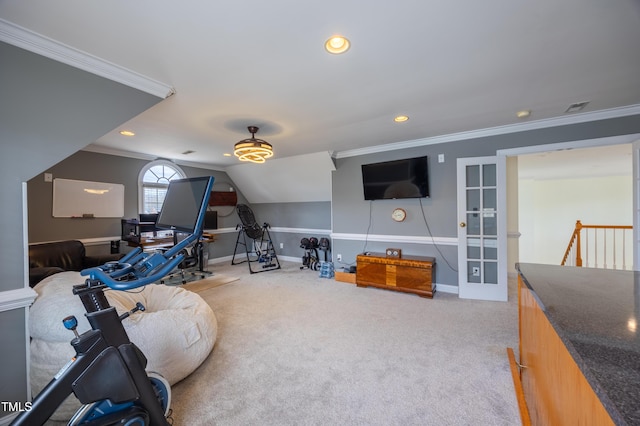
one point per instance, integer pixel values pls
(295, 349)
(214, 281)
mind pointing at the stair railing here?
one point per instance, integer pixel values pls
(602, 246)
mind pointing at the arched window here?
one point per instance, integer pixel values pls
(153, 181)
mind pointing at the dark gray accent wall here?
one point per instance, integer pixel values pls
(13, 373)
(92, 166)
(353, 215)
(48, 111)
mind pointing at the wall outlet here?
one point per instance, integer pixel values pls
(281, 245)
(475, 271)
(440, 158)
(339, 257)
(48, 177)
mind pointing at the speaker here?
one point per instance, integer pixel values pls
(211, 219)
(393, 252)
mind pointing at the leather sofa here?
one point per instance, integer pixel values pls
(47, 259)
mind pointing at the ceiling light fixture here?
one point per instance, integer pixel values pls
(524, 113)
(252, 149)
(127, 133)
(401, 119)
(337, 44)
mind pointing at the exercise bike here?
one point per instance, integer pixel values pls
(107, 374)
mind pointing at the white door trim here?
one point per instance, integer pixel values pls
(499, 291)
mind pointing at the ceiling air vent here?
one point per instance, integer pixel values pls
(187, 152)
(578, 106)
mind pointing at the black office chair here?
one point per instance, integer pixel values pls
(192, 265)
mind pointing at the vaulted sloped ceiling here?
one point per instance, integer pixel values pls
(292, 179)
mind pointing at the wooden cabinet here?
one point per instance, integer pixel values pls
(409, 274)
(554, 387)
(223, 198)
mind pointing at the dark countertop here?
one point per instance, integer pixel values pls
(596, 313)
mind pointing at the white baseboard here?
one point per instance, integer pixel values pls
(443, 288)
(447, 288)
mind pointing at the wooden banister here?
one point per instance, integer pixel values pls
(576, 246)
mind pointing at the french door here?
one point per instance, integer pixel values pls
(482, 228)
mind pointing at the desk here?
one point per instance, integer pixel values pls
(152, 243)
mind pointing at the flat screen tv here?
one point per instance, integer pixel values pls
(185, 204)
(408, 178)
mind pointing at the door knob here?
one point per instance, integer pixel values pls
(462, 224)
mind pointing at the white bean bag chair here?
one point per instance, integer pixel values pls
(176, 332)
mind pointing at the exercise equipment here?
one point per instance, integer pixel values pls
(325, 246)
(107, 374)
(260, 248)
(310, 258)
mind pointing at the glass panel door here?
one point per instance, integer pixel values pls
(482, 271)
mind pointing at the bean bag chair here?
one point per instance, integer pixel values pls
(176, 332)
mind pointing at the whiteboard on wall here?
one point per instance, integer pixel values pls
(78, 198)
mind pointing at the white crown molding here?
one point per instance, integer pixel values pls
(45, 46)
(499, 130)
(99, 149)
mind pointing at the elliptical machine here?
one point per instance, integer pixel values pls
(107, 374)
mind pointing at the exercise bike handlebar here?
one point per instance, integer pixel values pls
(99, 274)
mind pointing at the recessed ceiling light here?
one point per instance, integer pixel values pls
(523, 114)
(127, 133)
(401, 119)
(337, 44)
(226, 154)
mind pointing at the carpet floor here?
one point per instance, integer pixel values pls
(296, 349)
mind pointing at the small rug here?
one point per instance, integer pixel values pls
(214, 281)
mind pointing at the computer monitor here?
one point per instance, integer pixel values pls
(185, 205)
(148, 222)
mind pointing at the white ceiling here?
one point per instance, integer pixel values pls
(612, 160)
(450, 66)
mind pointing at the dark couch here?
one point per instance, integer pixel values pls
(50, 258)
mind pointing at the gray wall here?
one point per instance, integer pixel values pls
(48, 111)
(352, 214)
(92, 166)
(294, 221)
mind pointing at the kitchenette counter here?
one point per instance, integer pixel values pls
(595, 313)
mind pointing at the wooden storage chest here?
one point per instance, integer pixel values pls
(409, 274)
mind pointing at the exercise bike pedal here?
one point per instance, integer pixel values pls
(106, 413)
(131, 415)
